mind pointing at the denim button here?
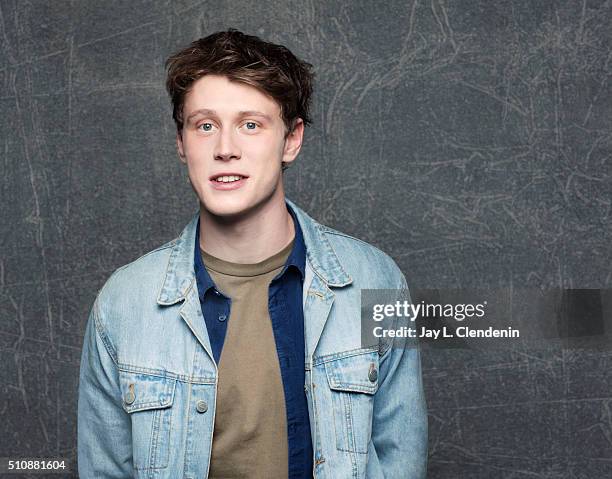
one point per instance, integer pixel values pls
(222, 317)
(201, 406)
(373, 374)
(130, 397)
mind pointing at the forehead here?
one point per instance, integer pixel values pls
(218, 93)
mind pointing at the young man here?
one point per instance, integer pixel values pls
(234, 351)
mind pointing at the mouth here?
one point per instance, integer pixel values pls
(227, 181)
(227, 177)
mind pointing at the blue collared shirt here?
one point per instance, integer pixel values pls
(287, 317)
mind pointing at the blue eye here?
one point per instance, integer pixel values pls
(251, 125)
(207, 126)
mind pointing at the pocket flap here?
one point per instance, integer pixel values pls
(358, 373)
(146, 391)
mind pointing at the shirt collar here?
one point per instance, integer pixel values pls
(296, 258)
(203, 279)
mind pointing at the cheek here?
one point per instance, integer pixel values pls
(268, 152)
(195, 147)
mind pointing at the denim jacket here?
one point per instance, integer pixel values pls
(147, 385)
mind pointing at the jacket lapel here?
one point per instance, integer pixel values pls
(180, 284)
(323, 269)
(191, 312)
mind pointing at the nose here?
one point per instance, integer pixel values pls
(226, 147)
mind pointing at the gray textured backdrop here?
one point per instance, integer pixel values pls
(470, 140)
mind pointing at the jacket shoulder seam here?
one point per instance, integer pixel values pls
(101, 332)
(334, 232)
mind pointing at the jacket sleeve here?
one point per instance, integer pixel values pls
(104, 437)
(399, 422)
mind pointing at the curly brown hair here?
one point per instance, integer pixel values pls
(271, 68)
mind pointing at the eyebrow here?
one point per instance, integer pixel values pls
(206, 111)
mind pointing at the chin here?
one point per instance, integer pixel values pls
(223, 210)
(227, 209)
(234, 204)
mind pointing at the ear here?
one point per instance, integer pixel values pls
(179, 146)
(293, 142)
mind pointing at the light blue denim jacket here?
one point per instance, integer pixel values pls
(147, 384)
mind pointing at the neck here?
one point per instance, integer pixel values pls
(248, 238)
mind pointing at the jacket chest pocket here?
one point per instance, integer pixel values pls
(148, 400)
(353, 382)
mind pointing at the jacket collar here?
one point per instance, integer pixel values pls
(319, 251)
(321, 257)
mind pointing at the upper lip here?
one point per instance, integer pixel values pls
(217, 175)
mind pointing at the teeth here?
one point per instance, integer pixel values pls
(228, 179)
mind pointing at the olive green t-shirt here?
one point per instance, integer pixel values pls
(250, 433)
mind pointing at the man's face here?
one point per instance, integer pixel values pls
(233, 142)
